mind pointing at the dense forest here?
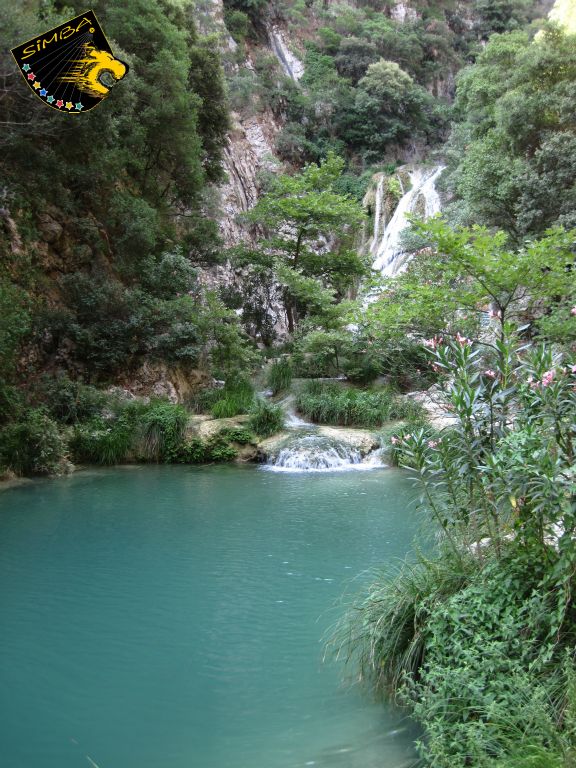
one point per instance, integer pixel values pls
(134, 297)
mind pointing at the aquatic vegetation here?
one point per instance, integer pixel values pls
(328, 403)
(279, 376)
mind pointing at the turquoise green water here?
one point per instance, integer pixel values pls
(172, 617)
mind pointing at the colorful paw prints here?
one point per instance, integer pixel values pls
(56, 103)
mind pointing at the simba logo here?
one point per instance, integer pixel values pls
(71, 68)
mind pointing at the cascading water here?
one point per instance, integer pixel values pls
(378, 214)
(421, 198)
(313, 452)
(291, 65)
(309, 452)
(306, 449)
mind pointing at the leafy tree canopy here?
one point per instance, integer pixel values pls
(512, 157)
(311, 235)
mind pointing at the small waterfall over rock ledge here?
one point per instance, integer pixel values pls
(305, 447)
(421, 198)
(318, 453)
(313, 453)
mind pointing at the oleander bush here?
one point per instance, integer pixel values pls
(478, 636)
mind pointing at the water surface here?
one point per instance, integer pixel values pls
(172, 617)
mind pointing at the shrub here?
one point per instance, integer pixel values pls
(238, 24)
(219, 449)
(384, 633)
(266, 419)
(14, 324)
(192, 451)
(70, 401)
(279, 376)
(33, 445)
(483, 667)
(169, 275)
(237, 435)
(11, 402)
(482, 687)
(102, 441)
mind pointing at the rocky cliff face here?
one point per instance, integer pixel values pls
(250, 148)
(248, 153)
(248, 156)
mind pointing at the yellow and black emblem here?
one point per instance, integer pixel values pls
(71, 68)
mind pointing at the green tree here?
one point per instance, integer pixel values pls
(465, 273)
(500, 16)
(312, 229)
(117, 189)
(512, 157)
(388, 108)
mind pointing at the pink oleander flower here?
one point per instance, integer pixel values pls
(432, 443)
(463, 340)
(495, 313)
(573, 311)
(548, 378)
(433, 343)
(490, 373)
(394, 440)
(573, 369)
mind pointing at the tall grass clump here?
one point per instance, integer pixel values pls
(279, 376)
(266, 418)
(384, 633)
(103, 441)
(234, 398)
(330, 403)
(138, 431)
(160, 431)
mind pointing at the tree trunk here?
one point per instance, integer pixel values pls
(290, 317)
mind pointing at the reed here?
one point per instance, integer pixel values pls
(279, 376)
(327, 403)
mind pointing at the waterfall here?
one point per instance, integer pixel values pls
(421, 198)
(317, 453)
(291, 65)
(378, 213)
